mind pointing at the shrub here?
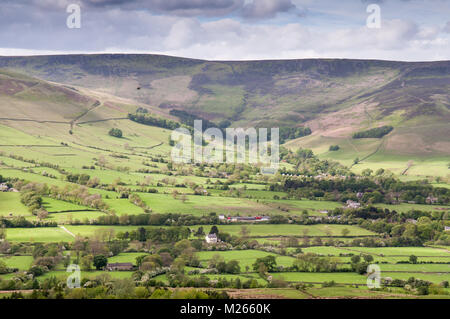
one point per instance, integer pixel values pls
(115, 132)
(334, 148)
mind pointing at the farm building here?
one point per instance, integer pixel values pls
(431, 200)
(211, 238)
(352, 204)
(119, 266)
(248, 218)
(3, 187)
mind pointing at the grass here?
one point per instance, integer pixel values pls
(402, 251)
(327, 251)
(246, 258)
(20, 262)
(201, 205)
(54, 205)
(416, 267)
(65, 218)
(10, 204)
(272, 230)
(338, 277)
(44, 234)
(434, 278)
(405, 207)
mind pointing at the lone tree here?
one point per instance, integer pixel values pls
(413, 259)
(115, 132)
(100, 262)
(269, 263)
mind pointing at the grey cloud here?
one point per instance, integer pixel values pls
(256, 9)
(171, 7)
(261, 9)
(174, 7)
(447, 27)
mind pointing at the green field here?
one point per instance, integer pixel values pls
(272, 230)
(44, 234)
(246, 258)
(20, 262)
(402, 251)
(200, 205)
(10, 204)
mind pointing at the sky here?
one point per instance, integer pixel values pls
(404, 30)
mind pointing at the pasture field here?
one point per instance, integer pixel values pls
(67, 218)
(89, 231)
(242, 277)
(297, 206)
(201, 205)
(353, 278)
(55, 206)
(277, 240)
(11, 162)
(272, 230)
(402, 251)
(441, 268)
(10, 204)
(338, 277)
(246, 258)
(405, 207)
(228, 277)
(326, 250)
(43, 234)
(27, 176)
(362, 292)
(123, 206)
(434, 278)
(20, 262)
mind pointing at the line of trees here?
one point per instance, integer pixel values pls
(377, 132)
(147, 119)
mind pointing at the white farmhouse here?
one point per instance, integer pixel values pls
(211, 238)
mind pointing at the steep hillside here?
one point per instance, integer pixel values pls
(36, 112)
(335, 98)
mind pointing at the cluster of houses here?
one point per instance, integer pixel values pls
(320, 176)
(5, 188)
(211, 238)
(352, 204)
(431, 200)
(233, 219)
(119, 267)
